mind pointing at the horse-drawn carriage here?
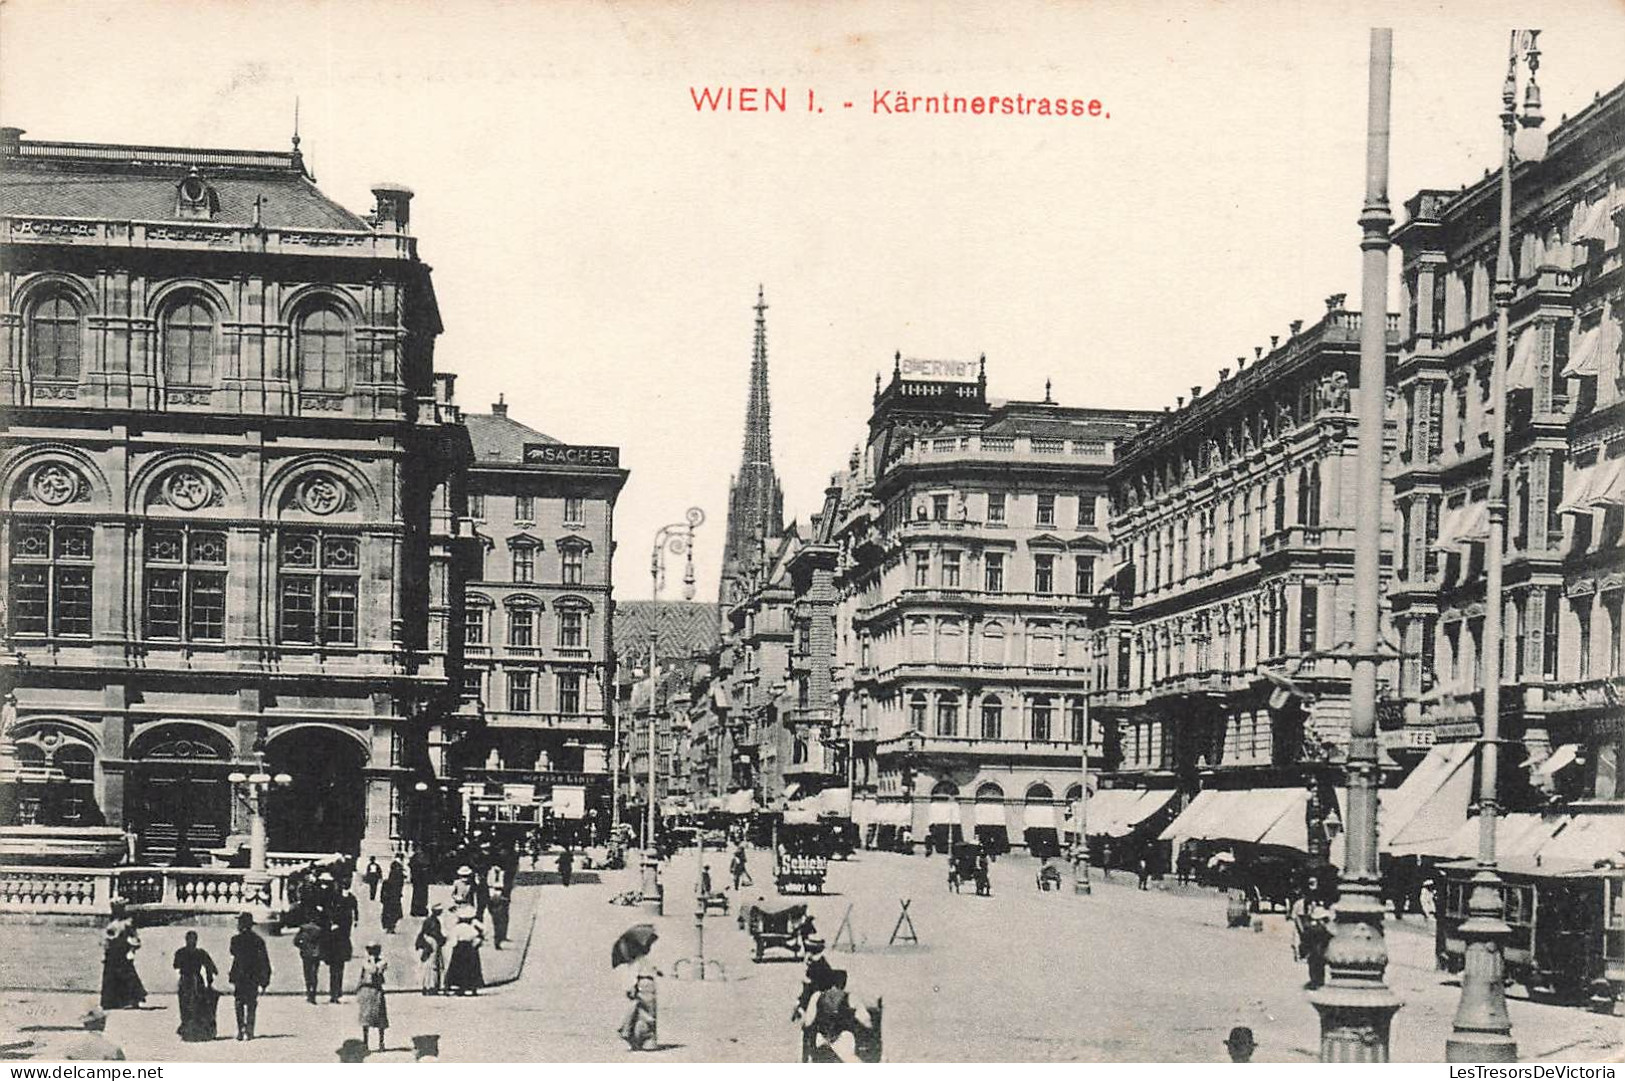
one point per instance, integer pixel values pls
(968, 863)
(780, 927)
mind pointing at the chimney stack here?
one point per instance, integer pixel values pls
(499, 408)
(1224, 373)
(1297, 325)
(393, 212)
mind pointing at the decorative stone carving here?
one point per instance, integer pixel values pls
(189, 489)
(322, 403)
(187, 397)
(54, 484)
(323, 494)
(55, 390)
(1334, 391)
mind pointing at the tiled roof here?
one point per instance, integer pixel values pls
(146, 192)
(685, 628)
(499, 438)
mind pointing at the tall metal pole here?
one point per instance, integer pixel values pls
(1482, 1030)
(1080, 854)
(1356, 1006)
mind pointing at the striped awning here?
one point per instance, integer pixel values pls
(1521, 365)
(1596, 348)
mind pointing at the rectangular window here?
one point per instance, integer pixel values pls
(574, 566)
(939, 508)
(476, 505)
(49, 594)
(1086, 511)
(1582, 614)
(992, 720)
(519, 692)
(184, 599)
(339, 608)
(1043, 574)
(995, 506)
(1430, 537)
(474, 626)
(524, 508)
(1435, 397)
(298, 610)
(521, 627)
(572, 628)
(950, 570)
(1046, 510)
(994, 568)
(1551, 637)
(575, 511)
(922, 569)
(947, 716)
(1083, 583)
(1043, 713)
(1308, 619)
(164, 590)
(524, 563)
(206, 606)
(473, 684)
(569, 697)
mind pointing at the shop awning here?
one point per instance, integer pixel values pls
(1607, 486)
(893, 813)
(1590, 221)
(741, 802)
(1248, 816)
(1192, 821)
(1521, 366)
(1574, 500)
(1118, 812)
(863, 811)
(1432, 802)
(1464, 525)
(989, 813)
(944, 812)
(835, 801)
(1515, 834)
(801, 812)
(1583, 840)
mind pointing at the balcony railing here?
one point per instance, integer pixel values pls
(981, 598)
(975, 745)
(1008, 448)
(509, 719)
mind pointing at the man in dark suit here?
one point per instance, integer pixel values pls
(250, 974)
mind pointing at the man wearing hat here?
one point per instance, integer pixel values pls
(250, 974)
(819, 975)
(93, 1046)
(309, 942)
(1240, 1044)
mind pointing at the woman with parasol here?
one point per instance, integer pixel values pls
(632, 948)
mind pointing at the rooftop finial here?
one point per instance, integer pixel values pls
(296, 124)
(897, 363)
(761, 304)
(1047, 399)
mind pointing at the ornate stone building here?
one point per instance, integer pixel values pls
(1232, 525)
(230, 492)
(972, 552)
(1565, 460)
(538, 626)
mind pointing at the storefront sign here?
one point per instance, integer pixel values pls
(567, 454)
(917, 370)
(569, 801)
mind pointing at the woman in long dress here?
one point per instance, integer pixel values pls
(431, 944)
(464, 974)
(639, 1028)
(369, 994)
(195, 988)
(394, 888)
(121, 984)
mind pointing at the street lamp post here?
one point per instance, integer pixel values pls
(1080, 852)
(253, 788)
(1482, 1030)
(1356, 1006)
(678, 539)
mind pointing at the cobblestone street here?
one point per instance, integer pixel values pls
(1122, 975)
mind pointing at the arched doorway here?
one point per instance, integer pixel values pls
(182, 800)
(943, 826)
(990, 825)
(1038, 822)
(324, 808)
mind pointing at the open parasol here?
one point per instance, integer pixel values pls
(634, 943)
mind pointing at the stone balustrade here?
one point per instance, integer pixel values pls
(89, 891)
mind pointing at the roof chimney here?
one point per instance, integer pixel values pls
(1241, 364)
(1296, 325)
(1224, 373)
(499, 408)
(394, 210)
(1196, 392)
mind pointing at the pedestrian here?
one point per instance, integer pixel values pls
(417, 868)
(1240, 1044)
(819, 976)
(372, 876)
(1144, 868)
(338, 948)
(250, 974)
(482, 881)
(394, 887)
(1183, 863)
(93, 1046)
(121, 984)
(431, 946)
(641, 1026)
(195, 990)
(566, 864)
(310, 941)
(464, 974)
(1106, 861)
(498, 909)
(1314, 937)
(741, 873)
(369, 993)
(462, 887)
(984, 884)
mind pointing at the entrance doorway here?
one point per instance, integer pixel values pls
(182, 801)
(324, 809)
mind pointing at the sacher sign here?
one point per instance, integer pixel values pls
(568, 454)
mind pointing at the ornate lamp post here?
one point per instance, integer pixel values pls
(678, 539)
(252, 788)
(1356, 1006)
(1482, 1031)
(1080, 850)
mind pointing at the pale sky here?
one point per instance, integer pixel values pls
(597, 243)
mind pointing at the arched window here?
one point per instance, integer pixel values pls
(916, 711)
(992, 644)
(54, 339)
(322, 340)
(1280, 505)
(189, 344)
(992, 718)
(1043, 716)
